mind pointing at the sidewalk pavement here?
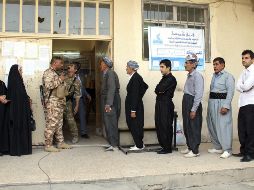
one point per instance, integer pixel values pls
(88, 163)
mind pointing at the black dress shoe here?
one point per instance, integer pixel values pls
(238, 155)
(163, 151)
(1, 154)
(246, 158)
(85, 136)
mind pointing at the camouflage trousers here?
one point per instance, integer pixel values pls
(69, 118)
(54, 122)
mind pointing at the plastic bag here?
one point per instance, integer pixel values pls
(180, 138)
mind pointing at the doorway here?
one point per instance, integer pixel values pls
(87, 53)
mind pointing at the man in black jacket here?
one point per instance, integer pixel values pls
(134, 108)
(164, 107)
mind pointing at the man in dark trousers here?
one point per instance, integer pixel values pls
(111, 102)
(164, 107)
(192, 107)
(134, 108)
(245, 86)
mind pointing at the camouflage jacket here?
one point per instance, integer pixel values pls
(73, 86)
(51, 80)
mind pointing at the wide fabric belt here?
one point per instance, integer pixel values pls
(163, 98)
(214, 95)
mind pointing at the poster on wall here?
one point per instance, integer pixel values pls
(175, 44)
(7, 48)
(29, 66)
(19, 49)
(31, 50)
(44, 52)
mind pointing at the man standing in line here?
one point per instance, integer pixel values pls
(245, 86)
(192, 107)
(111, 102)
(54, 106)
(164, 107)
(74, 92)
(134, 107)
(219, 111)
(83, 107)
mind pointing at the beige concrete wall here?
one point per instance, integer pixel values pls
(32, 82)
(231, 33)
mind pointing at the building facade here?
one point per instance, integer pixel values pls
(34, 30)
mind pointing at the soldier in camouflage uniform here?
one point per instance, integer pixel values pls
(74, 87)
(54, 106)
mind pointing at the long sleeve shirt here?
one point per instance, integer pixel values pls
(194, 86)
(245, 86)
(166, 87)
(223, 82)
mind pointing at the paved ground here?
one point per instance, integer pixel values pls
(238, 186)
(90, 164)
(126, 186)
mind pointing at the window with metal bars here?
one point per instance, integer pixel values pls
(73, 17)
(175, 15)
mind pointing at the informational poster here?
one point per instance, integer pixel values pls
(175, 44)
(29, 66)
(44, 52)
(19, 49)
(7, 48)
(31, 50)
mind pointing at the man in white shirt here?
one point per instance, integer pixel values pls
(245, 86)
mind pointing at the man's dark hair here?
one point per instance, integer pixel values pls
(220, 60)
(166, 62)
(55, 58)
(247, 51)
(76, 65)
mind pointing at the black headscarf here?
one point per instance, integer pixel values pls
(18, 114)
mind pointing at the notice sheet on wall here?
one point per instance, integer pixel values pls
(7, 48)
(175, 44)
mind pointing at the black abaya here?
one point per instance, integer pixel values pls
(4, 144)
(18, 115)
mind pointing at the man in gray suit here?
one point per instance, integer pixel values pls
(110, 101)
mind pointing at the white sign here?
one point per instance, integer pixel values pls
(19, 49)
(44, 52)
(7, 48)
(31, 50)
(175, 44)
(29, 66)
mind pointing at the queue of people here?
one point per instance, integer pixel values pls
(63, 99)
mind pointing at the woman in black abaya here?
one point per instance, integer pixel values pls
(4, 145)
(18, 114)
